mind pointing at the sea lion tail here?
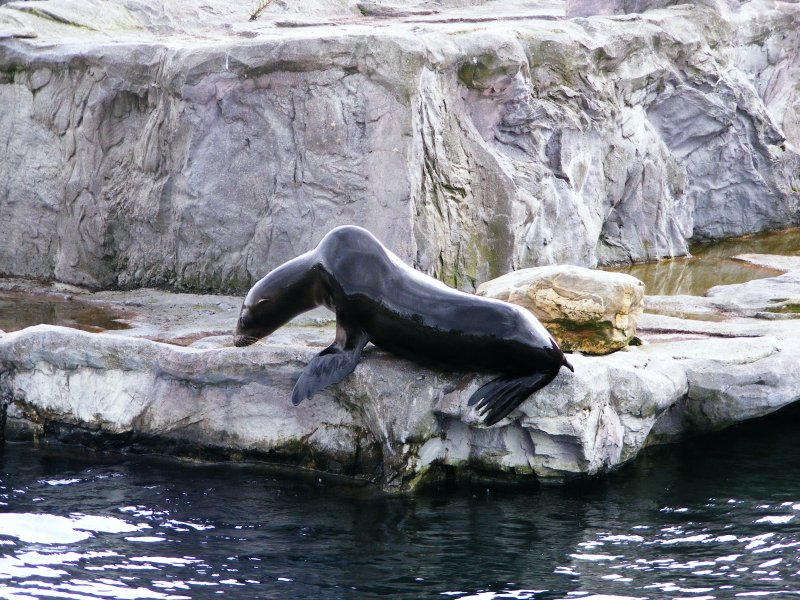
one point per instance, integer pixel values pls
(566, 363)
(496, 399)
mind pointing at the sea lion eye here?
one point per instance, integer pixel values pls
(263, 301)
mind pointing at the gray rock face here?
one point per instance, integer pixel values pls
(205, 160)
(588, 8)
(169, 183)
(771, 261)
(729, 381)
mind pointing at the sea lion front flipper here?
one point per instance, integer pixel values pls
(329, 366)
(496, 399)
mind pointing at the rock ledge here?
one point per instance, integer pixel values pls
(391, 422)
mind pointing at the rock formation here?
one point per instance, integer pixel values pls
(184, 145)
(585, 310)
(194, 145)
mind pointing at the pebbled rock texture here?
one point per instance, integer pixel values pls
(183, 145)
(585, 310)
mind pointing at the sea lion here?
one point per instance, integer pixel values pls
(379, 299)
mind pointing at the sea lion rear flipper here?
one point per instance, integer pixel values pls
(496, 399)
(329, 366)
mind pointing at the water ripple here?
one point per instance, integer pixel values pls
(710, 520)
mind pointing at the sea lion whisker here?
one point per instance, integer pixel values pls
(244, 340)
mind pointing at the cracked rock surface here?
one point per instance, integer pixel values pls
(183, 145)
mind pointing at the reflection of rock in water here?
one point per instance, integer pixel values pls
(694, 276)
(785, 242)
(503, 538)
(20, 311)
(712, 264)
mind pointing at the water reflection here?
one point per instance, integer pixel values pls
(711, 264)
(51, 529)
(707, 519)
(18, 311)
(693, 276)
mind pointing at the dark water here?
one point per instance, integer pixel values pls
(18, 311)
(711, 264)
(715, 518)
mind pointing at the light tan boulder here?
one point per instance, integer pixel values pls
(585, 310)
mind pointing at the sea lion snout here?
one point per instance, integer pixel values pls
(244, 323)
(240, 341)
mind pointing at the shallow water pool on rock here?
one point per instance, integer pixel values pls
(712, 518)
(713, 264)
(19, 310)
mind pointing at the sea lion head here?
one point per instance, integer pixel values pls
(253, 323)
(261, 314)
(275, 300)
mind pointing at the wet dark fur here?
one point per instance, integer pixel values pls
(379, 299)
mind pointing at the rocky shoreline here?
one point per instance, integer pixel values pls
(393, 423)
